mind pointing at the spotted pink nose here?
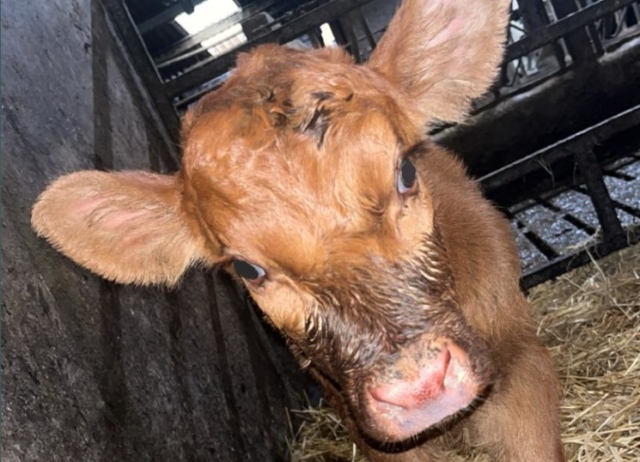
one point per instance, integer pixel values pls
(419, 388)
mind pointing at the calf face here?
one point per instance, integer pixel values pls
(310, 178)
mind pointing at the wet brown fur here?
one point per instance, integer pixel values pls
(292, 165)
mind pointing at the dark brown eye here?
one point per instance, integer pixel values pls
(248, 271)
(406, 177)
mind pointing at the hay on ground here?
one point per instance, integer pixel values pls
(590, 321)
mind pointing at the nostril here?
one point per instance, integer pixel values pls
(410, 394)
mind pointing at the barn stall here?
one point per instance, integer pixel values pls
(93, 369)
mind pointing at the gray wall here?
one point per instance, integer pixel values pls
(93, 371)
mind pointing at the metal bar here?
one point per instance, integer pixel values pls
(533, 14)
(132, 40)
(283, 34)
(574, 260)
(627, 208)
(534, 17)
(548, 34)
(347, 27)
(636, 11)
(578, 223)
(183, 103)
(578, 40)
(619, 175)
(520, 207)
(169, 61)
(315, 37)
(619, 205)
(541, 244)
(211, 31)
(338, 34)
(183, 51)
(602, 203)
(188, 5)
(556, 268)
(166, 16)
(595, 39)
(365, 27)
(612, 167)
(583, 139)
(567, 216)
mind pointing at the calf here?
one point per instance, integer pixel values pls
(311, 179)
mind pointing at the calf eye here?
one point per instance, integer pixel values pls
(406, 177)
(248, 271)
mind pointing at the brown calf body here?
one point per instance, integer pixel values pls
(310, 178)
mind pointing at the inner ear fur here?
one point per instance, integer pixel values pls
(443, 53)
(125, 226)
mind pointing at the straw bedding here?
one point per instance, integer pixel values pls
(590, 321)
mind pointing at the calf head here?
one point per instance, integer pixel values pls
(310, 178)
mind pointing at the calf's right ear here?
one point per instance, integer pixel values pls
(125, 226)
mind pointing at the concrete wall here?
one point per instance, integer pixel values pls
(93, 371)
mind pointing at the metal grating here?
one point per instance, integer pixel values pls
(575, 200)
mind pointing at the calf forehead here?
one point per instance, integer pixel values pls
(297, 148)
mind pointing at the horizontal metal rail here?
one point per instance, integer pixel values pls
(163, 18)
(576, 259)
(211, 31)
(287, 32)
(556, 30)
(584, 139)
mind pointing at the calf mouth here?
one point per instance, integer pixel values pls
(431, 384)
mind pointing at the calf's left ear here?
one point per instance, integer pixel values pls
(128, 227)
(443, 53)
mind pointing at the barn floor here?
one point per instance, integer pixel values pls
(590, 321)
